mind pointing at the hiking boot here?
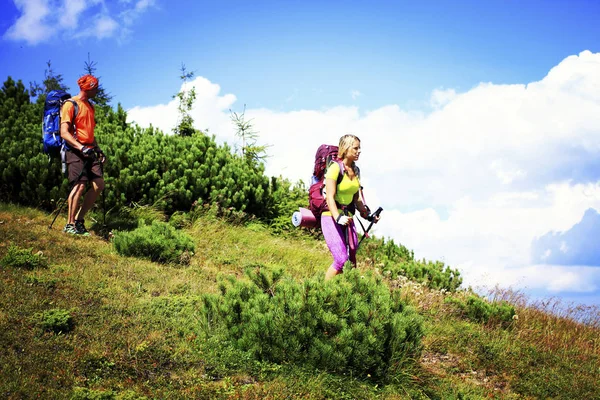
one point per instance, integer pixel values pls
(70, 228)
(80, 228)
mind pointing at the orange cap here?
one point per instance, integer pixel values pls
(87, 82)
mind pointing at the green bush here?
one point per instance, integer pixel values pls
(479, 310)
(396, 260)
(55, 320)
(179, 220)
(351, 324)
(386, 251)
(145, 166)
(432, 273)
(17, 257)
(46, 283)
(158, 242)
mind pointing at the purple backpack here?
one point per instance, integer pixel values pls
(326, 154)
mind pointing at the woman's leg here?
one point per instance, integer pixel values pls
(334, 237)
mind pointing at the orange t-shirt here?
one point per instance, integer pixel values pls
(84, 121)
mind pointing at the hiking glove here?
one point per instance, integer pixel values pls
(342, 220)
(100, 154)
(365, 213)
(87, 152)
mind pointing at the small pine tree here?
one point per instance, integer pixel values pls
(254, 154)
(51, 82)
(185, 124)
(102, 98)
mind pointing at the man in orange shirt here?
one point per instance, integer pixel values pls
(83, 156)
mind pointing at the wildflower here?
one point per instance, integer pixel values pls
(515, 317)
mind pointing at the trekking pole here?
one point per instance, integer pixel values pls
(62, 203)
(371, 218)
(66, 199)
(103, 197)
(347, 237)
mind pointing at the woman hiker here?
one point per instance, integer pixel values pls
(343, 200)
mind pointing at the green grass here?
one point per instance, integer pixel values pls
(120, 345)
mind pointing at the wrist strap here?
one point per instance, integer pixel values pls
(338, 218)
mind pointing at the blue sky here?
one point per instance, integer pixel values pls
(480, 120)
(308, 54)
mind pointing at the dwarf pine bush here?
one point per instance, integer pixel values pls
(350, 324)
(18, 257)
(55, 320)
(396, 260)
(158, 242)
(434, 274)
(479, 310)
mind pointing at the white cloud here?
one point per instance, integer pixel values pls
(211, 110)
(69, 14)
(441, 97)
(506, 174)
(355, 94)
(142, 5)
(471, 183)
(31, 26)
(41, 20)
(104, 27)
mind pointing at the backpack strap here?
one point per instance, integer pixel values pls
(75, 109)
(340, 163)
(75, 112)
(350, 208)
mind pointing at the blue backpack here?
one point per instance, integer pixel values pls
(53, 143)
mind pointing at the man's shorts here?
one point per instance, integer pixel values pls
(80, 168)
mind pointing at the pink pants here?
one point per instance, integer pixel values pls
(335, 237)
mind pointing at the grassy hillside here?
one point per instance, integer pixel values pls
(130, 328)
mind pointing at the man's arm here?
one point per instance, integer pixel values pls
(65, 133)
(68, 136)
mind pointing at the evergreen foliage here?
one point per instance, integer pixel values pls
(26, 176)
(55, 320)
(253, 153)
(479, 310)
(17, 257)
(102, 97)
(51, 82)
(396, 260)
(158, 242)
(187, 97)
(285, 199)
(352, 324)
(144, 166)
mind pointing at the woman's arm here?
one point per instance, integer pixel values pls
(362, 208)
(330, 191)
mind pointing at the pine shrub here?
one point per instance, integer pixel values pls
(55, 320)
(158, 242)
(479, 310)
(18, 257)
(351, 324)
(433, 274)
(396, 260)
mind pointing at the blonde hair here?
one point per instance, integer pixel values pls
(346, 143)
